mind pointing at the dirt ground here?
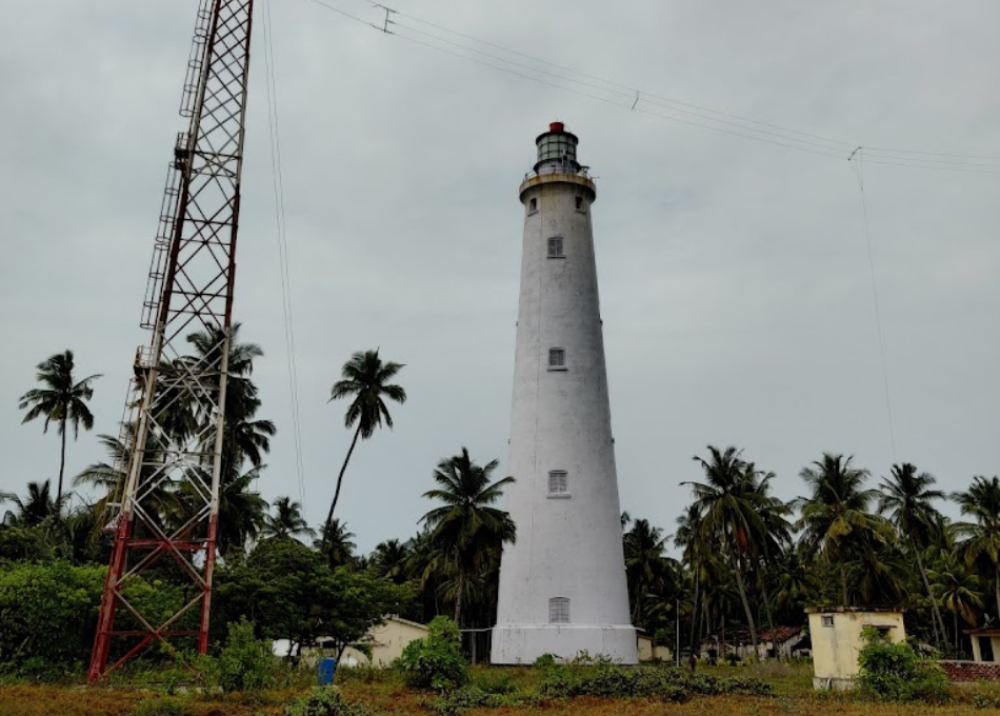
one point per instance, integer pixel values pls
(794, 697)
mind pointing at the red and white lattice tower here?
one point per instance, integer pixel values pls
(177, 438)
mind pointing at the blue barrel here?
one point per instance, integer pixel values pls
(327, 668)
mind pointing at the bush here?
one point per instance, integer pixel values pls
(436, 661)
(667, 683)
(160, 707)
(894, 672)
(48, 614)
(326, 701)
(246, 663)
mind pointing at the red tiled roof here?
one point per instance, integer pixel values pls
(782, 634)
(971, 670)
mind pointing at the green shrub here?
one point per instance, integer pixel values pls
(494, 681)
(894, 672)
(48, 614)
(168, 706)
(667, 683)
(460, 700)
(327, 701)
(436, 661)
(246, 663)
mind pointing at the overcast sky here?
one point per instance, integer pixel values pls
(736, 287)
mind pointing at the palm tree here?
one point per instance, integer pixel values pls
(286, 521)
(242, 511)
(335, 544)
(907, 497)
(689, 538)
(647, 571)
(981, 538)
(37, 507)
(957, 588)
(730, 504)
(366, 380)
(835, 516)
(467, 529)
(390, 560)
(244, 438)
(62, 400)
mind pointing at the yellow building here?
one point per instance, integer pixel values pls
(648, 651)
(385, 642)
(836, 640)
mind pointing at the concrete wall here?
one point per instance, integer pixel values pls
(568, 546)
(650, 652)
(387, 642)
(835, 648)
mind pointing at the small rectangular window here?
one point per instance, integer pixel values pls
(827, 620)
(555, 247)
(579, 203)
(559, 610)
(557, 358)
(532, 206)
(558, 483)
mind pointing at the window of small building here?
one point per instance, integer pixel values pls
(559, 610)
(828, 620)
(556, 247)
(557, 359)
(558, 483)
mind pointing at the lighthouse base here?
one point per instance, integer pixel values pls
(522, 644)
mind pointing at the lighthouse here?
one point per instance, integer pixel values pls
(562, 584)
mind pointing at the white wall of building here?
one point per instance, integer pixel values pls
(567, 546)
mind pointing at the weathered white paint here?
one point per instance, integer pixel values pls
(571, 546)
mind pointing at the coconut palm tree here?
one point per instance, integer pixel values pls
(980, 540)
(242, 511)
(835, 516)
(336, 544)
(389, 560)
(647, 571)
(467, 529)
(731, 507)
(907, 497)
(286, 521)
(37, 507)
(63, 400)
(956, 588)
(365, 379)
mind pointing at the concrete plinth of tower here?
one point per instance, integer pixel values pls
(523, 644)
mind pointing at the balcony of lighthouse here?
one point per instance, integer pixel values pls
(568, 172)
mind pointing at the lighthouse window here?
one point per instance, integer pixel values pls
(532, 206)
(557, 359)
(579, 203)
(556, 247)
(558, 484)
(559, 610)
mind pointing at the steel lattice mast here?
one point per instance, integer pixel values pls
(177, 415)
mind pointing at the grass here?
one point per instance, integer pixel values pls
(385, 690)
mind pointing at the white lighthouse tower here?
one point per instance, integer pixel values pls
(562, 584)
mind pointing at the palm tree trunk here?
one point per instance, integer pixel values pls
(954, 618)
(843, 582)
(340, 480)
(770, 618)
(997, 588)
(938, 619)
(458, 600)
(694, 618)
(746, 608)
(62, 463)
